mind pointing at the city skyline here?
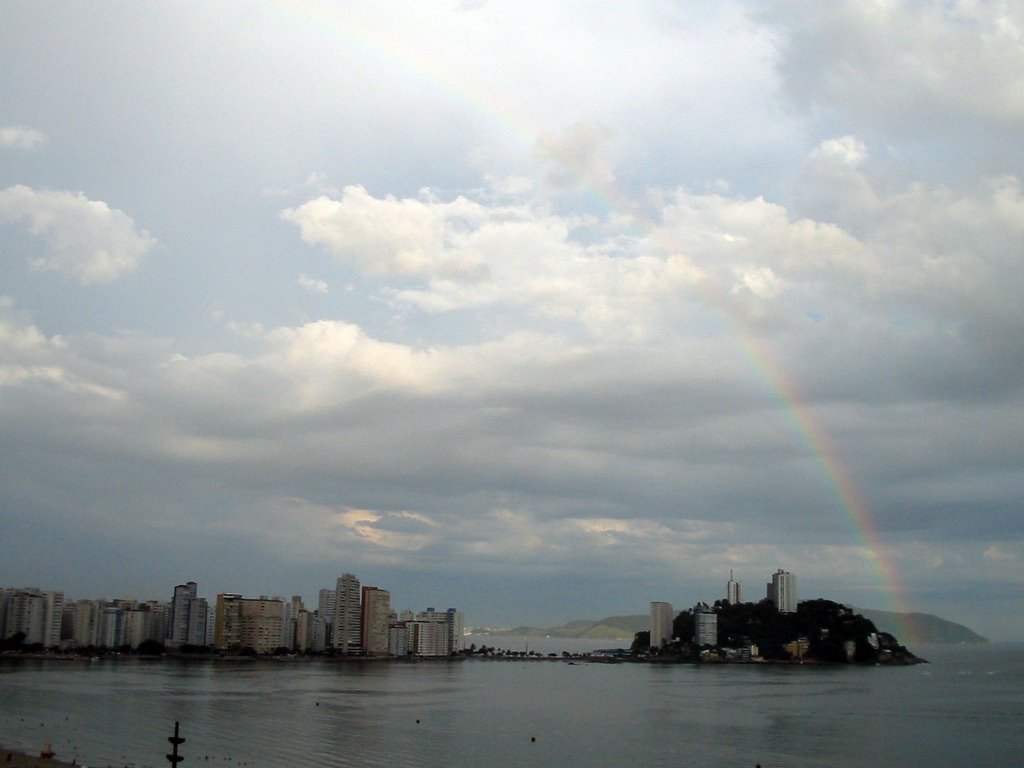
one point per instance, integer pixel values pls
(362, 626)
(540, 310)
(365, 625)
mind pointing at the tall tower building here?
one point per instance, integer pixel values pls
(661, 624)
(347, 615)
(732, 590)
(187, 623)
(455, 629)
(376, 606)
(36, 613)
(181, 605)
(325, 612)
(782, 591)
(293, 609)
(325, 604)
(228, 622)
(705, 625)
(87, 622)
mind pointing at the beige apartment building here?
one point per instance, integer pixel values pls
(243, 622)
(376, 607)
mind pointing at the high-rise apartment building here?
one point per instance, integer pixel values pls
(398, 638)
(661, 624)
(428, 638)
(347, 615)
(111, 627)
(135, 627)
(705, 625)
(456, 629)
(86, 631)
(782, 591)
(325, 605)
(248, 623)
(376, 606)
(187, 623)
(319, 634)
(732, 590)
(431, 633)
(32, 612)
(294, 608)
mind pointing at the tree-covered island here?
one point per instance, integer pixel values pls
(819, 631)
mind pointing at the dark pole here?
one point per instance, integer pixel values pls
(174, 758)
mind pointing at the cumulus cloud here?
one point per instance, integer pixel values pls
(20, 137)
(30, 359)
(387, 237)
(87, 239)
(846, 244)
(312, 284)
(925, 246)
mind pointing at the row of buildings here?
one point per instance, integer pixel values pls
(780, 591)
(46, 618)
(349, 619)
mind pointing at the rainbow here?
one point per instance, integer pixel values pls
(839, 479)
(324, 19)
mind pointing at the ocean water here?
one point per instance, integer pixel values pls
(964, 709)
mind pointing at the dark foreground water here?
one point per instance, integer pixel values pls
(964, 709)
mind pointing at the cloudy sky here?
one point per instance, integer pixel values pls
(539, 310)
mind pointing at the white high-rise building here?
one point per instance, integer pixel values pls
(135, 621)
(291, 624)
(347, 615)
(434, 633)
(705, 625)
(143, 623)
(111, 627)
(782, 591)
(732, 590)
(325, 611)
(87, 623)
(398, 638)
(319, 633)
(661, 624)
(456, 628)
(188, 621)
(428, 638)
(35, 613)
(325, 605)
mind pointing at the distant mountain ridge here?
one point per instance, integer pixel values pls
(608, 628)
(928, 628)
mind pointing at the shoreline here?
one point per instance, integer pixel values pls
(13, 758)
(906, 658)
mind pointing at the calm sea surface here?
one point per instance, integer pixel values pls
(964, 709)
